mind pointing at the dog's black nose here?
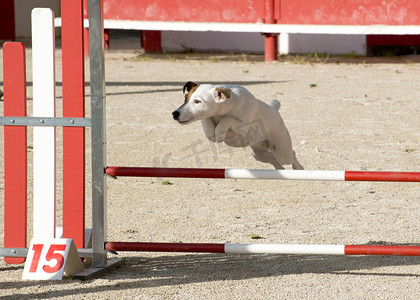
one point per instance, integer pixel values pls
(176, 114)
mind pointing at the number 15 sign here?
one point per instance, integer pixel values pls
(49, 258)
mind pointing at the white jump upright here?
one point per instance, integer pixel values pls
(48, 257)
(43, 64)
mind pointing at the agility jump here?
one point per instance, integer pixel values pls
(99, 184)
(99, 170)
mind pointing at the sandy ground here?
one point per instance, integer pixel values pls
(343, 114)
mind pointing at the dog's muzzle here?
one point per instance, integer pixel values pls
(176, 115)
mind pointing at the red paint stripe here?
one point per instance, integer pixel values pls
(165, 247)
(166, 172)
(15, 157)
(73, 106)
(381, 250)
(382, 176)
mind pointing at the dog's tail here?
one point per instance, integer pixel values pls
(275, 104)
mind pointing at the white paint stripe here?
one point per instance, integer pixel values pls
(257, 27)
(302, 249)
(43, 47)
(284, 174)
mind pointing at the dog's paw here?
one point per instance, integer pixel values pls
(219, 138)
(212, 138)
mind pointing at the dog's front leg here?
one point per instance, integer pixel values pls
(209, 129)
(225, 124)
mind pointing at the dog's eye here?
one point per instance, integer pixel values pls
(196, 101)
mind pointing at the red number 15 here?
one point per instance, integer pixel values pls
(59, 258)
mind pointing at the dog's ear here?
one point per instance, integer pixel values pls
(221, 94)
(188, 86)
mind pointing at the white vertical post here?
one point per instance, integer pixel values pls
(284, 43)
(43, 62)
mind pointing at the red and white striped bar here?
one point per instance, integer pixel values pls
(287, 249)
(264, 174)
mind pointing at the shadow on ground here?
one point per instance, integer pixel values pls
(182, 269)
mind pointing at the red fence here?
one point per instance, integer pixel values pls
(350, 12)
(239, 11)
(286, 12)
(321, 12)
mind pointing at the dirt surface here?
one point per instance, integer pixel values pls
(342, 113)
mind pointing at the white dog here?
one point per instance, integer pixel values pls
(231, 114)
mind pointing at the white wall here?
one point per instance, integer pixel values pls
(179, 41)
(23, 10)
(176, 41)
(327, 43)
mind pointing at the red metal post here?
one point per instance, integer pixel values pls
(270, 45)
(73, 106)
(152, 41)
(270, 39)
(106, 38)
(7, 20)
(15, 157)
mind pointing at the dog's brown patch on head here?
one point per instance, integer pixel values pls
(190, 87)
(223, 93)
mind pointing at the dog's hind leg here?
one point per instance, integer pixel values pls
(263, 154)
(230, 130)
(296, 164)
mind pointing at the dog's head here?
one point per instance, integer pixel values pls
(201, 102)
